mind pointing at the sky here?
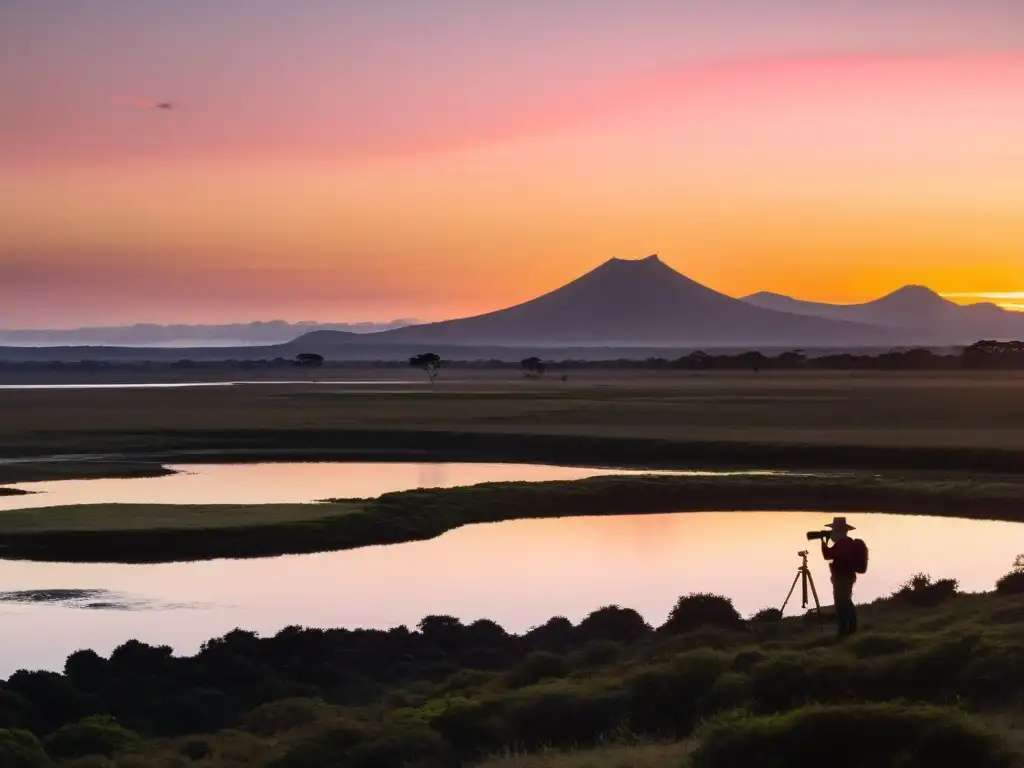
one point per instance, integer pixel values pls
(345, 160)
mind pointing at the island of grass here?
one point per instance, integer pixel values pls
(933, 678)
(133, 533)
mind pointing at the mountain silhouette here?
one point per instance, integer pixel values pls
(631, 303)
(913, 309)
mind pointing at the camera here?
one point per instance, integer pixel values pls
(813, 535)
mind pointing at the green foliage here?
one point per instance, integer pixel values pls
(282, 716)
(196, 749)
(1013, 582)
(922, 592)
(702, 610)
(416, 746)
(852, 736)
(622, 625)
(94, 735)
(540, 665)
(595, 654)
(20, 749)
(766, 615)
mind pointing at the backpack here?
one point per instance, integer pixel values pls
(859, 557)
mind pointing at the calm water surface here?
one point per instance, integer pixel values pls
(519, 573)
(295, 482)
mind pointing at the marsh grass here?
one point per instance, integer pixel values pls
(164, 533)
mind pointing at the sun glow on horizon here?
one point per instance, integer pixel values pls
(377, 170)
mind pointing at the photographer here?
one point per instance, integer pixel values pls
(844, 556)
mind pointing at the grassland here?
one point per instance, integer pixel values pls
(873, 421)
(162, 533)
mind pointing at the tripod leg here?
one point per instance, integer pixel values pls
(781, 612)
(817, 604)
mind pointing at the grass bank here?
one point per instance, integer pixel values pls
(162, 533)
(885, 422)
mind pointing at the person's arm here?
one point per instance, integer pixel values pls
(826, 550)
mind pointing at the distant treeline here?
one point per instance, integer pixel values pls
(983, 355)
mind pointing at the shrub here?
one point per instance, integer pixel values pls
(20, 749)
(766, 616)
(670, 699)
(702, 610)
(196, 749)
(539, 665)
(623, 625)
(1013, 582)
(921, 592)
(328, 747)
(871, 645)
(853, 736)
(95, 735)
(595, 654)
(282, 716)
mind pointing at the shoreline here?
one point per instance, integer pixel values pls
(120, 455)
(94, 533)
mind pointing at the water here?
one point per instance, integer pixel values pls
(284, 483)
(519, 573)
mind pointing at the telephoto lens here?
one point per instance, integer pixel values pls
(813, 535)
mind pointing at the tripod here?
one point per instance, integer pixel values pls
(803, 573)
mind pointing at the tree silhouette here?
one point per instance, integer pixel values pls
(309, 360)
(427, 362)
(533, 367)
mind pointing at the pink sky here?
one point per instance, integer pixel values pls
(360, 160)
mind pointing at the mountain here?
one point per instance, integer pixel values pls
(629, 303)
(912, 309)
(152, 334)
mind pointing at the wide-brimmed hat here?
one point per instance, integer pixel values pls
(840, 524)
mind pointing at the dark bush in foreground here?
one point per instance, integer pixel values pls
(95, 735)
(282, 716)
(416, 746)
(20, 749)
(622, 625)
(921, 591)
(766, 615)
(540, 665)
(1013, 582)
(868, 736)
(702, 610)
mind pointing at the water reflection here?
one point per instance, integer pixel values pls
(291, 483)
(519, 573)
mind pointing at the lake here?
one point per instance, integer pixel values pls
(519, 573)
(274, 483)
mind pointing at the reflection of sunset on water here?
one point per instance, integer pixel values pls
(519, 573)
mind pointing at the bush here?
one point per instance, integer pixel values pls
(20, 749)
(539, 665)
(702, 610)
(414, 745)
(864, 736)
(870, 646)
(920, 591)
(196, 749)
(1013, 582)
(623, 625)
(766, 616)
(95, 735)
(282, 716)
(595, 654)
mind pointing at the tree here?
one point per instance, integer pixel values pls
(534, 367)
(309, 360)
(429, 363)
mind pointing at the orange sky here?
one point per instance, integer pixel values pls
(308, 183)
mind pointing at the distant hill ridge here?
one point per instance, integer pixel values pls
(259, 332)
(630, 303)
(914, 309)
